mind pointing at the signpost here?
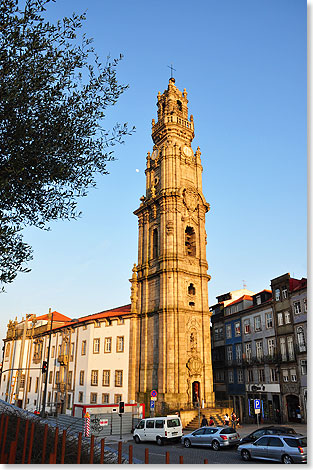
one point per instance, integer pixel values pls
(257, 409)
(154, 394)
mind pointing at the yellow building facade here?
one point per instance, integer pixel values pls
(170, 331)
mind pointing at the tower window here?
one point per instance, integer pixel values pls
(155, 243)
(179, 105)
(190, 241)
(191, 289)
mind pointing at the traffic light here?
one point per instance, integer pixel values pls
(44, 367)
(121, 408)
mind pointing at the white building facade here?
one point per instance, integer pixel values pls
(88, 362)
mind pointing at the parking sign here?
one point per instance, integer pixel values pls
(257, 405)
(152, 404)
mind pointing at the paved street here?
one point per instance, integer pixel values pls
(193, 455)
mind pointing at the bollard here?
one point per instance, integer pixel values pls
(63, 446)
(167, 457)
(25, 442)
(1, 425)
(17, 428)
(44, 445)
(12, 453)
(119, 458)
(4, 438)
(206, 461)
(79, 447)
(31, 441)
(92, 444)
(130, 454)
(102, 451)
(146, 455)
(55, 447)
(181, 459)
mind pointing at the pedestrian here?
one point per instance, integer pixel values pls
(226, 419)
(278, 415)
(211, 422)
(204, 421)
(234, 419)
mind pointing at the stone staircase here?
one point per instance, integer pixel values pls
(217, 413)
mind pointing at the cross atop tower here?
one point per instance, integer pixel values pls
(172, 68)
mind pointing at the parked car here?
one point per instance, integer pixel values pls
(253, 436)
(160, 430)
(214, 436)
(288, 448)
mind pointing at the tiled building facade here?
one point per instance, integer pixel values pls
(264, 343)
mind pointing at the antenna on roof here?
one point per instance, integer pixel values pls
(244, 284)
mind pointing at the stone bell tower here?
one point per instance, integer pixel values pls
(171, 346)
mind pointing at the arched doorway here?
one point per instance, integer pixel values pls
(293, 408)
(195, 392)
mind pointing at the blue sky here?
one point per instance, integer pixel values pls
(243, 64)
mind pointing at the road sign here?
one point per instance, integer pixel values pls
(154, 393)
(257, 406)
(152, 404)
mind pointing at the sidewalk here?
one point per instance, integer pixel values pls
(243, 430)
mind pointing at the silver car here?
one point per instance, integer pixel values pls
(285, 449)
(214, 436)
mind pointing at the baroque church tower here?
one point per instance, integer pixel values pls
(171, 347)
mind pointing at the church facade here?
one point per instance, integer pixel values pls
(162, 340)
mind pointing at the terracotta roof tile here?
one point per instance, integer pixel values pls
(244, 297)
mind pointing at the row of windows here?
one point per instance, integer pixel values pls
(107, 345)
(258, 375)
(118, 378)
(286, 345)
(283, 318)
(105, 398)
(247, 329)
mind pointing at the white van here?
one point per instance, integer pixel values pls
(158, 429)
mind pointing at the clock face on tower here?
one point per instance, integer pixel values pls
(187, 151)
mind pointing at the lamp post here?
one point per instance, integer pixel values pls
(43, 410)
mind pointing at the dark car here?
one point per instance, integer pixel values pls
(253, 436)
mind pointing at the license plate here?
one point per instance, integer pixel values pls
(174, 433)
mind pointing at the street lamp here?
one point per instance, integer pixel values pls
(43, 410)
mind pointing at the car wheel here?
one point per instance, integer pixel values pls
(159, 441)
(215, 445)
(245, 455)
(187, 443)
(287, 459)
(137, 439)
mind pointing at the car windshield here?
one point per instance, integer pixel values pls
(301, 442)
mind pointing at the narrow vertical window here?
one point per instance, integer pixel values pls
(190, 241)
(155, 242)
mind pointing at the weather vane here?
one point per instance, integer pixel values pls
(172, 68)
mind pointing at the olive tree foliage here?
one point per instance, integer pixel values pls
(54, 92)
